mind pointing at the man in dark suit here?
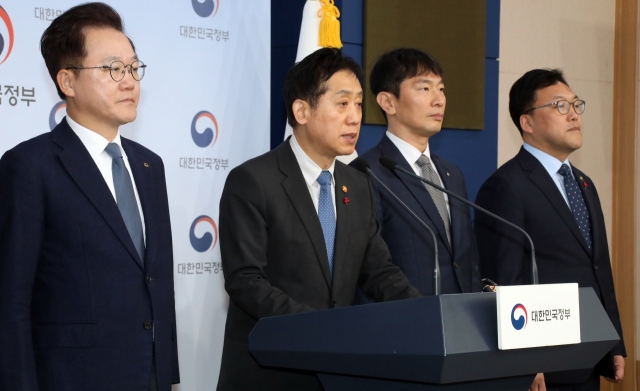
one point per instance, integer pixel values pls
(298, 230)
(408, 86)
(558, 205)
(86, 268)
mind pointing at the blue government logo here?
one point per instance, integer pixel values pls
(208, 241)
(521, 322)
(62, 105)
(207, 8)
(6, 42)
(209, 136)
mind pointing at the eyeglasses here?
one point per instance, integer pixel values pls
(563, 106)
(117, 69)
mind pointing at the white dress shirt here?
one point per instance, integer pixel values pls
(96, 144)
(552, 165)
(311, 171)
(411, 154)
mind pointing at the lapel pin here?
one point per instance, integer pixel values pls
(346, 201)
(344, 189)
(448, 174)
(146, 164)
(584, 184)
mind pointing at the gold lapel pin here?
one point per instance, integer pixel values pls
(344, 189)
(146, 164)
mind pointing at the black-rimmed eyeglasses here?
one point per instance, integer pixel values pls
(117, 69)
(563, 106)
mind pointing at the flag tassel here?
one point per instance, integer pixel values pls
(329, 25)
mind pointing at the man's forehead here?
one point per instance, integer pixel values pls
(428, 77)
(556, 91)
(117, 48)
(343, 82)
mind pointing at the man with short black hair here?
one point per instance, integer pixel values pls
(409, 89)
(86, 265)
(298, 229)
(543, 193)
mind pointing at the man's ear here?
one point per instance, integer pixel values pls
(526, 124)
(65, 79)
(386, 101)
(301, 111)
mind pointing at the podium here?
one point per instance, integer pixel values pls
(447, 342)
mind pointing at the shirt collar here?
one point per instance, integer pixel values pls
(94, 142)
(408, 151)
(550, 163)
(310, 170)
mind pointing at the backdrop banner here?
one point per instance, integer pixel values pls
(204, 108)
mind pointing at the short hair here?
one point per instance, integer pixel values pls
(63, 43)
(523, 93)
(307, 79)
(398, 65)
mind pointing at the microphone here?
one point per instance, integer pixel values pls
(361, 165)
(393, 165)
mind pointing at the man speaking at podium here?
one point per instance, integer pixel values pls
(558, 205)
(408, 86)
(298, 229)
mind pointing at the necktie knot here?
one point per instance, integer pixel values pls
(423, 160)
(325, 178)
(113, 150)
(564, 170)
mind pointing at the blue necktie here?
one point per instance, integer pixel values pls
(578, 206)
(327, 215)
(126, 198)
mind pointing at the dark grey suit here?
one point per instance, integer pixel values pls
(275, 261)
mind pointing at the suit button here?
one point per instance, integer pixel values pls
(334, 304)
(596, 267)
(149, 279)
(148, 324)
(455, 264)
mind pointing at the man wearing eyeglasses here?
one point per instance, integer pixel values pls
(558, 205)
(86, 267)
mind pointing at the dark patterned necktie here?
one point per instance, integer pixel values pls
(327, 215)
(576, 201)
(126, 198)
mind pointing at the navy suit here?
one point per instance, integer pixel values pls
(522, 192)
(410, 244)
(79, 310)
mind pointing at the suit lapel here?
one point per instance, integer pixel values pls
(416, 188)
(76, 160)
(296, 188)
(343, 215)
(145, 185)
(540, 177)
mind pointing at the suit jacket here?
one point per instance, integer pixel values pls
(522, 192)
(411, 245)
(275, 261)
(79, 310)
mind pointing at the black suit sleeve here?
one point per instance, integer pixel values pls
(504, 252)
(175, 369)
(22, 223)
(379, 277)
(244, 217)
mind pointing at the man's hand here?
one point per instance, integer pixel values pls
(538, 383)
(618, 365)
